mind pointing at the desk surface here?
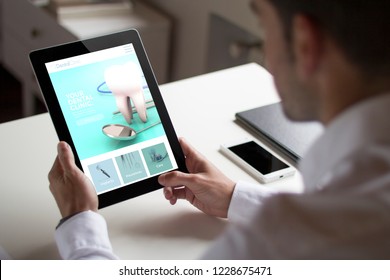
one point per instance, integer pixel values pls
(202, 110)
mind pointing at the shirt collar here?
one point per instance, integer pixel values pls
(362, 124)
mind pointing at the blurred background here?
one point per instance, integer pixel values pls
(183, 38)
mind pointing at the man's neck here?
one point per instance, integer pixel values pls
(346, 89)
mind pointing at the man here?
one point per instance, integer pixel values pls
(331, 62)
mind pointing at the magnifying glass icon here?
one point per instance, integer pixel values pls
(123, 132)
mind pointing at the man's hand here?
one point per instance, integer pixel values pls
(207, 188)
(72, 190)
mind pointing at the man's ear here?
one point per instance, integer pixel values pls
(307, 45)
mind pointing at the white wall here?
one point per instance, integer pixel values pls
(191, 25)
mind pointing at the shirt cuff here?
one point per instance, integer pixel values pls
(246, 200)
(84, 236)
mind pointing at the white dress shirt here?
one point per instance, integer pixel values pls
(343, 213)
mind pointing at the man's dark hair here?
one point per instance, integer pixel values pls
(361, 28)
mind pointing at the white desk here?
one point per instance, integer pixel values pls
(202, 110)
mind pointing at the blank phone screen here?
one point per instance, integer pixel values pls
(258, 158)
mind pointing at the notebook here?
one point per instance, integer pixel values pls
(290, 138)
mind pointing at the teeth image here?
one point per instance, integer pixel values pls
(122, 102)
(124, 81)
(139, 103)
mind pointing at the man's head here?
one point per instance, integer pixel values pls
(314, 48)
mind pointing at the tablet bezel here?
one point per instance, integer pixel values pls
(38, 58)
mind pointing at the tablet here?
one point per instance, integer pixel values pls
(104, 101)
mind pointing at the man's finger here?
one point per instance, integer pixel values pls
(180, 192)
(65, 155)
(176, 179)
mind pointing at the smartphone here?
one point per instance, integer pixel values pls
(256, 160)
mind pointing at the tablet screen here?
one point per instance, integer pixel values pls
(111, 116)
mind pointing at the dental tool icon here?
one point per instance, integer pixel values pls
(124, 81)
(156, 157)
(103, 171)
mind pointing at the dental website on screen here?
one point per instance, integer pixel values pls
(110, 113)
